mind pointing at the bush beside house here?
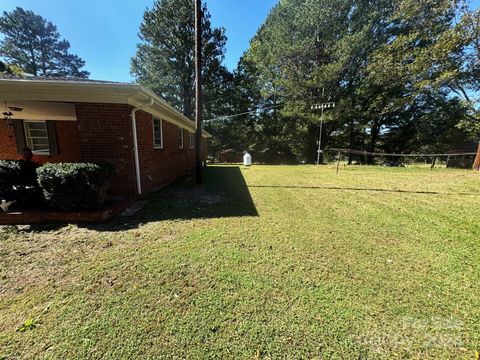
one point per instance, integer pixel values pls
(73, 186)
(64, 186)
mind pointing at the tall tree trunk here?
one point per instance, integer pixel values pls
(364, 147)
(198, 93)
(476, 164)
(312, 143)
(375, 130)
(351, 142)
(321, 136)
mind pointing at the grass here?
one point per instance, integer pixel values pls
(267, 262)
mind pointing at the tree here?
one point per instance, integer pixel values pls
(33, 44)
(311, 51)
(469, 78)
(164, 60)
(399, 71)
(236, 128)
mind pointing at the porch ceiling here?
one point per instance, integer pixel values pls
(39, 110)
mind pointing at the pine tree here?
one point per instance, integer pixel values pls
(33, 44)
(164, 61)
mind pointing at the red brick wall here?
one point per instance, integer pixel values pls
(106, 135)
(161, 166)
(67, 137)
(103, 132)
(7, 143)
(68, 143)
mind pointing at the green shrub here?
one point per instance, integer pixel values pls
(71, 186)
(18, 181)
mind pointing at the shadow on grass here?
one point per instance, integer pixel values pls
(224, 194)
(359, 189)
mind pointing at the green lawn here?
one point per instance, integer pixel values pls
(268, 262)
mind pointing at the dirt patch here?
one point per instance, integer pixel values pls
(198, 196)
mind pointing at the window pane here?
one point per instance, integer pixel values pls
(37, 136)
(38, 133)
(37, 125)
(39, 141)
(40, 147)
(157, 133)
(43, 148)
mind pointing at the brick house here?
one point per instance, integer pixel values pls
(149, 142)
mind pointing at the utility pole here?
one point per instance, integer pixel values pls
(322, 107)
(198, 93)
(319, 150)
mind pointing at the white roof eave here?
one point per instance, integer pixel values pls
(94, 92)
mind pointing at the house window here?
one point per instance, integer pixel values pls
(157, 134)
(191, 140)
(180, 138)
(36, 137)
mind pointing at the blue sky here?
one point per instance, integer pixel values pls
(104, 32)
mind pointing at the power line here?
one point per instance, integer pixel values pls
(244, 113)
(226, 117)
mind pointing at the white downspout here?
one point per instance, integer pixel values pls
(135, 144)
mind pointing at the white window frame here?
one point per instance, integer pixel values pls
(191, 139)
(155, 145)
(180, 146)
(28, 137)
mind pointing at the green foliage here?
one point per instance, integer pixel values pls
(240, 131)
(165, 56)
(71, 186)
(33, 44)
(401, 73)
(18, 181)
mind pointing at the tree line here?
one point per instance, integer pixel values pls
(403, 74)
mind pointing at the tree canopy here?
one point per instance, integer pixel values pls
(403, 74)
(33, 44)
(164, 60)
